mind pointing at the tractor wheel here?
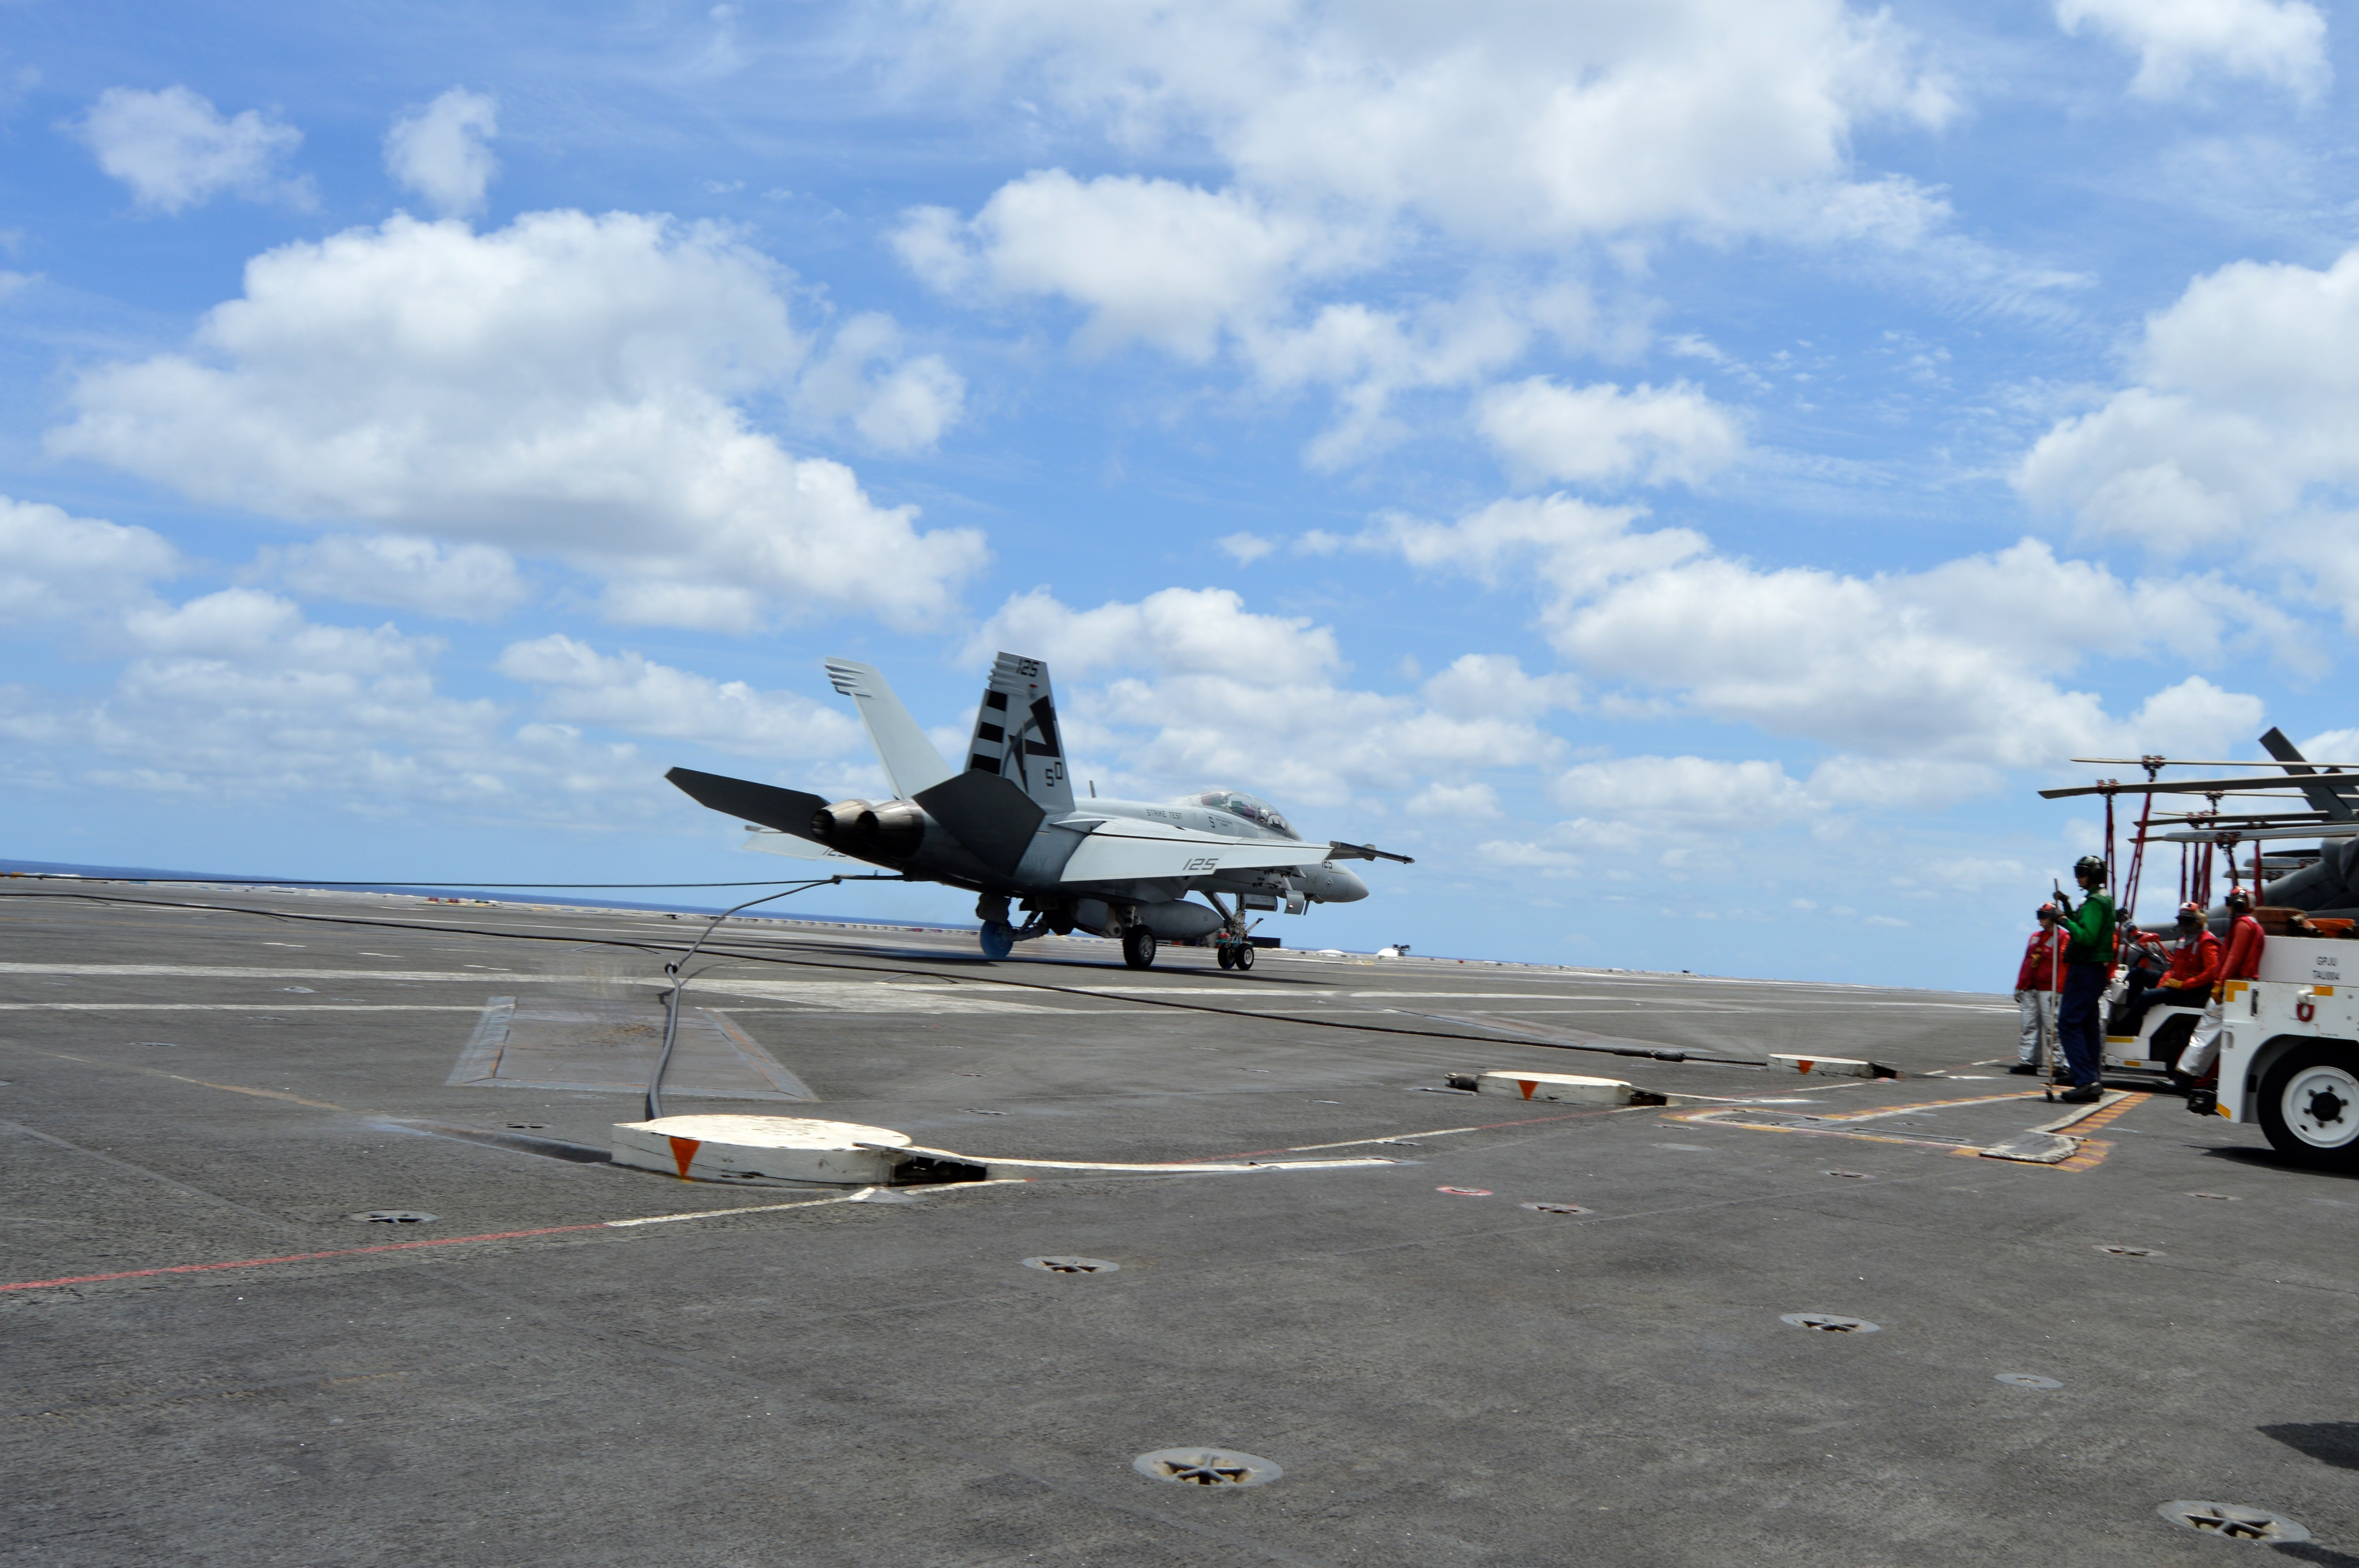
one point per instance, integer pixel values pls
(2310, 1106)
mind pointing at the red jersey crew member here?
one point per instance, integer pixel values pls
(2037, 981)
(2194, 971)
(2088, 966)
(2242, 962)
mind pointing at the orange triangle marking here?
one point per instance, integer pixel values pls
(683, 1149)
(1527, 1086)
(1802, 1067)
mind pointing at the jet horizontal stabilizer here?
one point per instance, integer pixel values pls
(991, 815)
(1363, 851)
(788, 810)
(2333, 800)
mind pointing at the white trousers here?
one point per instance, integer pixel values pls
(2203, 1045)
(2039, 1041)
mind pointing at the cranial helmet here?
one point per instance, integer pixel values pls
(2190, 911)
(2047, 913)
(2239, 899)
(2089, 865)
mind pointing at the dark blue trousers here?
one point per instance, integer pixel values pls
(2076, 1022)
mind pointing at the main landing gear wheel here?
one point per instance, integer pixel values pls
(2309, 1107)
(998, 940)
(1243, 959)
(1228, 956)
(1138, 947)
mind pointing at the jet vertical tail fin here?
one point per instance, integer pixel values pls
(910, 758)
(1015, 733)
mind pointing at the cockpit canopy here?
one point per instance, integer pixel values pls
(1238, 803)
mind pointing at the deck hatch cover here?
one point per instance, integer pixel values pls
(1206, 1467)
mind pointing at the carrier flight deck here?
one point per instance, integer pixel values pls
(315, 1249)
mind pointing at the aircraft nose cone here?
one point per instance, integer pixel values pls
(1348, 888)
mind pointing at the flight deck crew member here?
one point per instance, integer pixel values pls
(2241, 961)
(2194, 971)
(2088, 966)
(2140, 953)
(2037, 981)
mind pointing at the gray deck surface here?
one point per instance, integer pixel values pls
(1445, 1378)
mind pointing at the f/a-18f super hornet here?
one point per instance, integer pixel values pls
(1006, 826)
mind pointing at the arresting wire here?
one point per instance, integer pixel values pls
(678, 970)
(1134, 999)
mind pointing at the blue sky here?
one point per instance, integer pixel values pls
(1688, 472)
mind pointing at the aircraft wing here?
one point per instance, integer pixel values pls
(1125, 850)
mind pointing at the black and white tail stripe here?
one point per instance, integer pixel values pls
(1015, 730)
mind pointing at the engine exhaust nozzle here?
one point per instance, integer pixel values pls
(893, 830)
(838, 824)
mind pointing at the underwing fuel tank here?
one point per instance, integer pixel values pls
(1172, 920)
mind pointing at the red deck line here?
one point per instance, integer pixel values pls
(300, 1256)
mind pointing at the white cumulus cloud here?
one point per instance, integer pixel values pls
(2235, 435)
(238, 698)
(1957, 664)
(55, 566)
(633, 693)
(894, 403)
(1683, 793)
(1149, 260)
(176, 150)
(1602, 435)
(1346, 137)
(2282, 42)
(565, 386)
(1493, 119)
(443, 151)
(466, 582)
(1194, 688)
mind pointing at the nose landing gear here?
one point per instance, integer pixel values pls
(1138, 947)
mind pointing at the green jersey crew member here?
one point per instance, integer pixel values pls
(2088, 966)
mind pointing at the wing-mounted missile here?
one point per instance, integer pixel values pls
(1336, 850)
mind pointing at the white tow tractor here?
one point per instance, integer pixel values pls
(2290, 1053)
(2289, 1040)
(2154, 1051)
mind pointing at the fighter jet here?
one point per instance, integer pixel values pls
(1006, 826)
